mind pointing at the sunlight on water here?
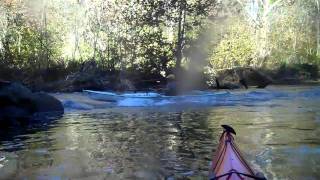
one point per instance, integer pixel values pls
(279, 137)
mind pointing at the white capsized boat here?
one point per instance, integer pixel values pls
(111, 96)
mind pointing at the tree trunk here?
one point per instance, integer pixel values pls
(75, 40)
(46, 37)
(180, 36)
(318, 27)
(264, 49)
(318, 36)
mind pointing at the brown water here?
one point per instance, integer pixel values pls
(279, 137)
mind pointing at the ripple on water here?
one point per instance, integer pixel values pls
(276, 136)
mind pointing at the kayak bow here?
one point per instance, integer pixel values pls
(228, 163)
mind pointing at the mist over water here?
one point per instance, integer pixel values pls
(278, 133)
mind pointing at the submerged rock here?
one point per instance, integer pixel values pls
(18, 104)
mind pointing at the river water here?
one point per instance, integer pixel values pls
(278, 131)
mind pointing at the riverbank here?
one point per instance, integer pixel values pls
(90, 75)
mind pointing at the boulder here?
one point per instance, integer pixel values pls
(83, 80)
(15, 92)
(241, 77)
(89, 77)
(14, 115)
(18, 104)
(46, 103)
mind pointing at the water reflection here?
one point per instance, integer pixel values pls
(280, 138)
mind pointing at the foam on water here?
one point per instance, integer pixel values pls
(135, 102)
(219, 98)
(72, 105)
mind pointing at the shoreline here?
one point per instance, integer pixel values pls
(277, 84)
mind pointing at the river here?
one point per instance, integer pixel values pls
(278, 131)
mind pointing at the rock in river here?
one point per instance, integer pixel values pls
(242, 77)
(18, 104)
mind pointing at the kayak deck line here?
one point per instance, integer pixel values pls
(239, 175)
(228, 162)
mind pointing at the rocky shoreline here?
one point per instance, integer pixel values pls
(90, 75)
(19, 103)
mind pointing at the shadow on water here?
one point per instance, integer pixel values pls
(113, 144)
(37, 123)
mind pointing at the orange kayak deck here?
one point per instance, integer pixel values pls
(228, 163)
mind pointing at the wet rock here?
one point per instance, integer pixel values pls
(241, 77)
(18, 104)
(46, 103)
(15, 92)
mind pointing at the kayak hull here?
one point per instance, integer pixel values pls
(228, 162)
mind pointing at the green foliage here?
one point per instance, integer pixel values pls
(118, 34)
(27, 44)
(154, 36)
(237, 48)
(292, 38)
